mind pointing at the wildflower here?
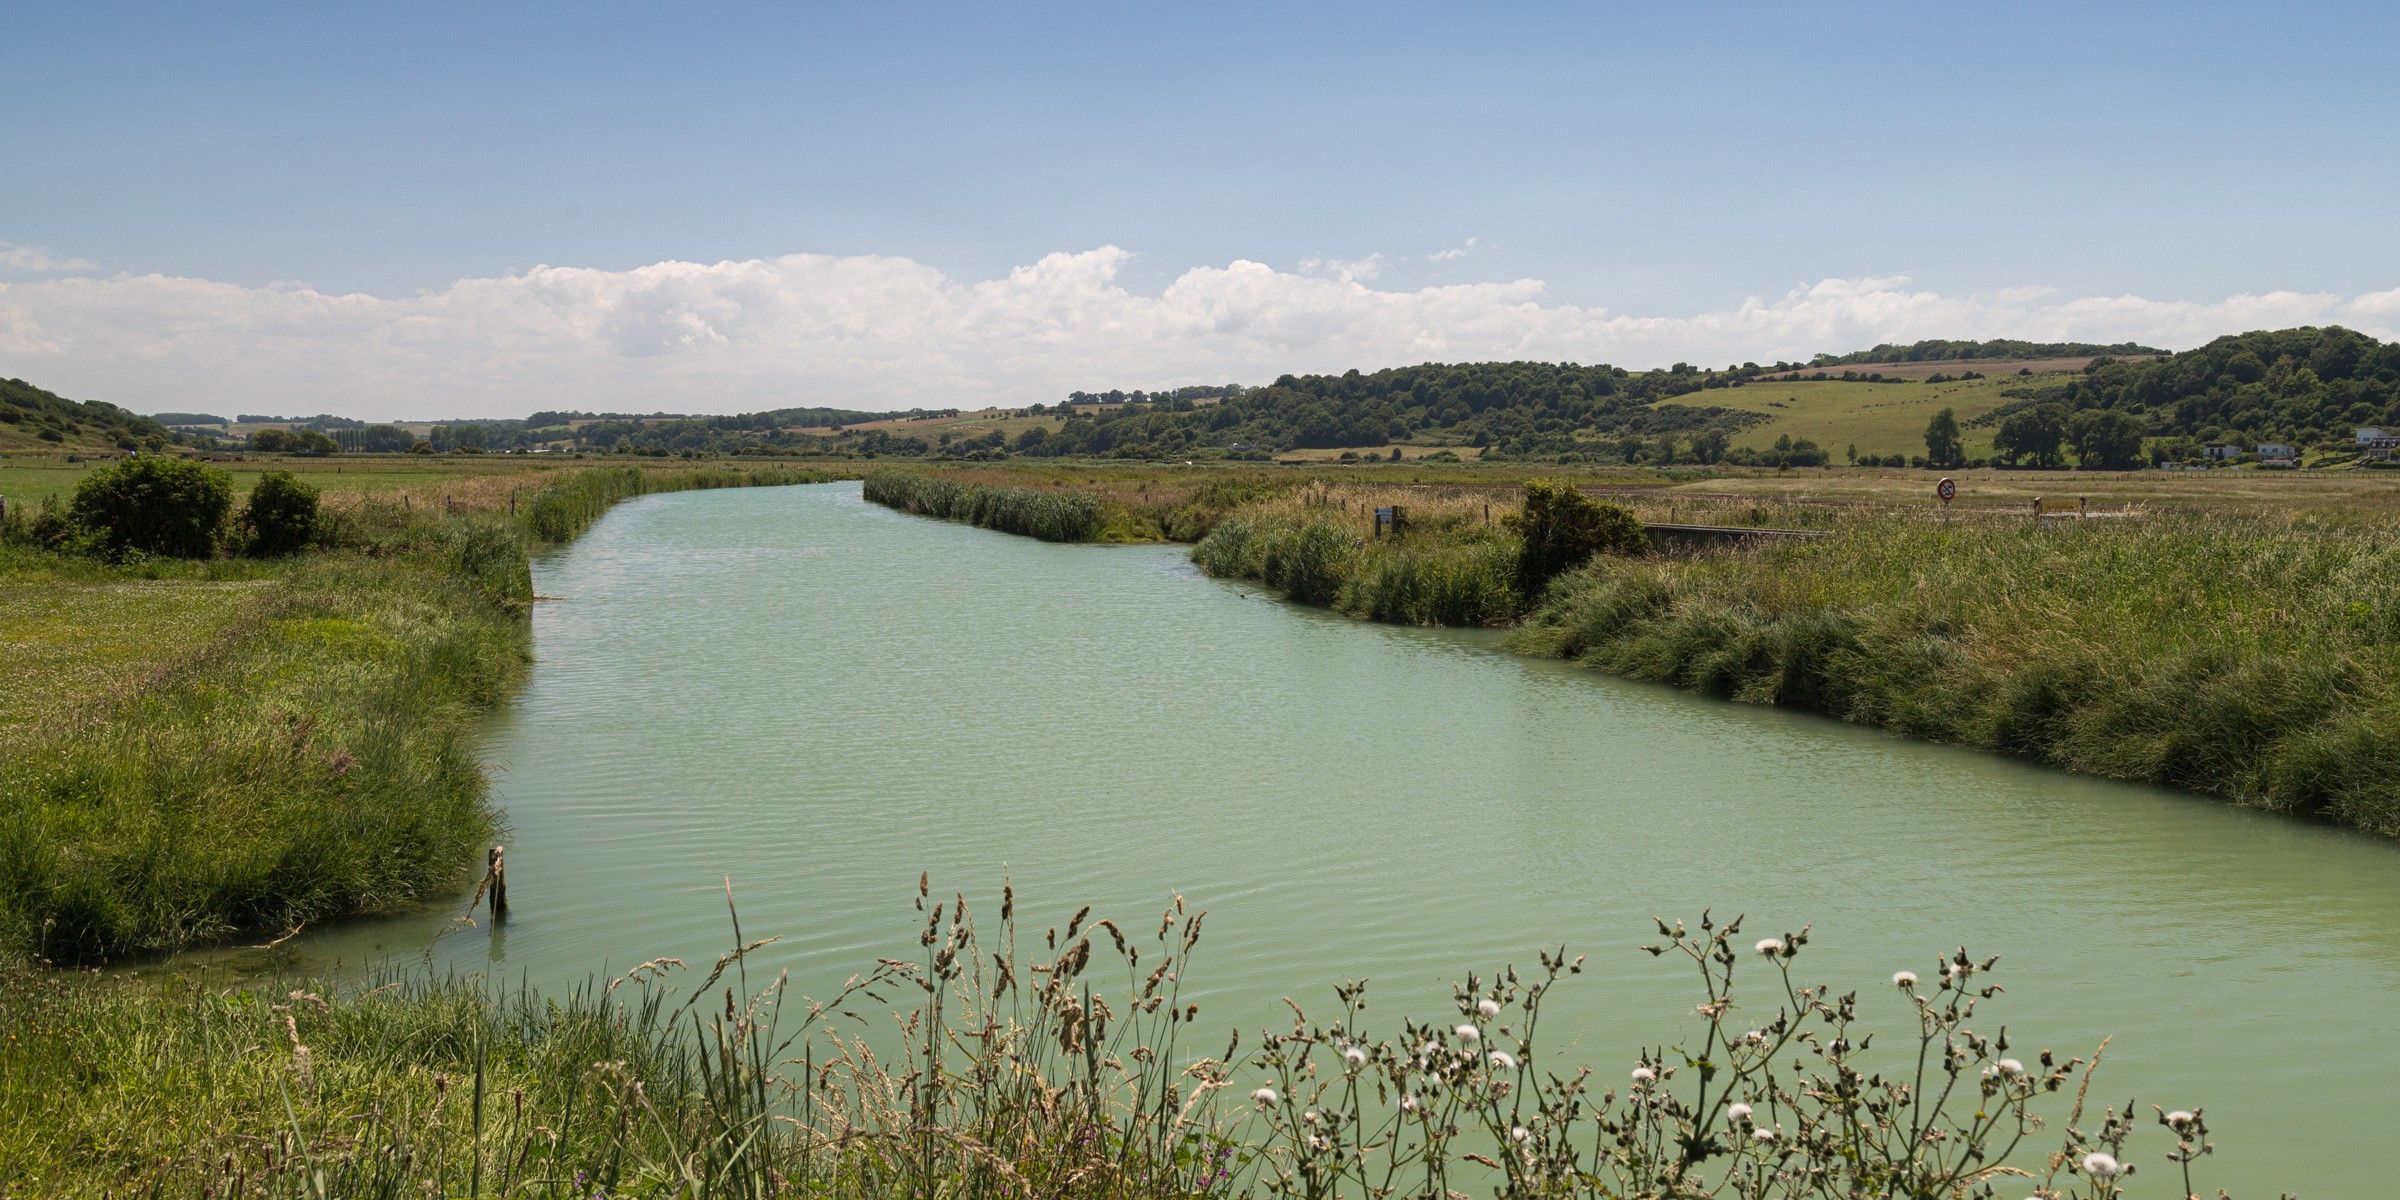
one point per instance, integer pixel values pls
(2100, 1166)
(1904, 980)
(1354, 1056)
(1755, 1037)
(1316, 1141)
(1487, 1008)
(1520, 1133)
(1266, 1097)
(2179, 1118)
(1737, 1113)
(1504, 1060)
(1644, 1077)
(1770, 946)
(1468, 1033)
(1762, 1135)
(2010, 1066)
(1409, 1103)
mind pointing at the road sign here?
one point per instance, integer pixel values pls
(1947, 489)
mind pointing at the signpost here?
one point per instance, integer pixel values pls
(1947, 489)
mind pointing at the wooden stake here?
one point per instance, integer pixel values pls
(495, 882)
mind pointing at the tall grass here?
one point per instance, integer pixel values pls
(310, 759)
(1051, 515)
(568, 504)
(2252, 658)
(1454, 575)
(989, 1062)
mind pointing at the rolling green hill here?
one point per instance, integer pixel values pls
(36, 421)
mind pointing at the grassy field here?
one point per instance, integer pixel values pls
(1878, 418)
(28, 480)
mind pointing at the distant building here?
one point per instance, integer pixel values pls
(2367, 434)
(2381, 446)
(2276, 451)
(2221, 451)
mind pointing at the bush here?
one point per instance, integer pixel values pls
(1563, 529)
(281, 515)
(165, 506)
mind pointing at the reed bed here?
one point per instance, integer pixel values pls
(2257, 659)
(1050, 515)
(988, 1062)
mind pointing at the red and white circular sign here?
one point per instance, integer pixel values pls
(1947, 489)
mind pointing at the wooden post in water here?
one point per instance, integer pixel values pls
(495, 883)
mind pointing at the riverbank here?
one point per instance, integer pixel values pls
(266, 743)
(1063, 1071)
(2248, 655)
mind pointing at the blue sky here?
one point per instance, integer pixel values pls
(1665, 160)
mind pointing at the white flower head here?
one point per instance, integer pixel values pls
(1354, 1056)
(2010, 1066)
(1467, 1032)
(1409, 1103)
(1266, 1097)
(2179, 1118)
(1770, 946)
(1487, 1008)
(1520, 1133)
(1763, 1135)
(2101, 1166)
(1904, 980)
(1737, 1113)
(1504, 1060)
(1644, 1077)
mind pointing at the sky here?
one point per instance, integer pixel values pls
(438, 211)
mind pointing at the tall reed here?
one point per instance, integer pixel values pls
(1052, 516)
(2252, 658)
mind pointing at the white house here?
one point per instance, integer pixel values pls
(2221, 451)
(2270, 451)
(2367, 434)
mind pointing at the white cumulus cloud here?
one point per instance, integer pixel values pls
(33, 260)
(878, 332)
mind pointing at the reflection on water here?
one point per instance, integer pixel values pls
(819, 698)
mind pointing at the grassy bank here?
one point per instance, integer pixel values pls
(984, 1064)
(2253, 659)
(1052, 516)
(251, 745)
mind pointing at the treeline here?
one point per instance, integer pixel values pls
(1510, 409)
(1947, 350)
(2306, 386)
(1181, 395)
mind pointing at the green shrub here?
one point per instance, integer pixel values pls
(281, 514)
(1052, 516)
(165, 506)
(1562, 529)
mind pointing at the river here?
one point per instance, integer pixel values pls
(821, 698)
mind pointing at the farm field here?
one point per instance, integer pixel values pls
(28, 480)
(1878, 418)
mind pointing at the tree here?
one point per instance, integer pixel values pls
(2034, 434)
(1563, 528)
(281, 514)
(155, 505)
(1943, 449)
(2106, 440)
(1708, 445)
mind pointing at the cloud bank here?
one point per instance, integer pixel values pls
(877, 332)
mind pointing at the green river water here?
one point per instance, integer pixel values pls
(821, 698)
